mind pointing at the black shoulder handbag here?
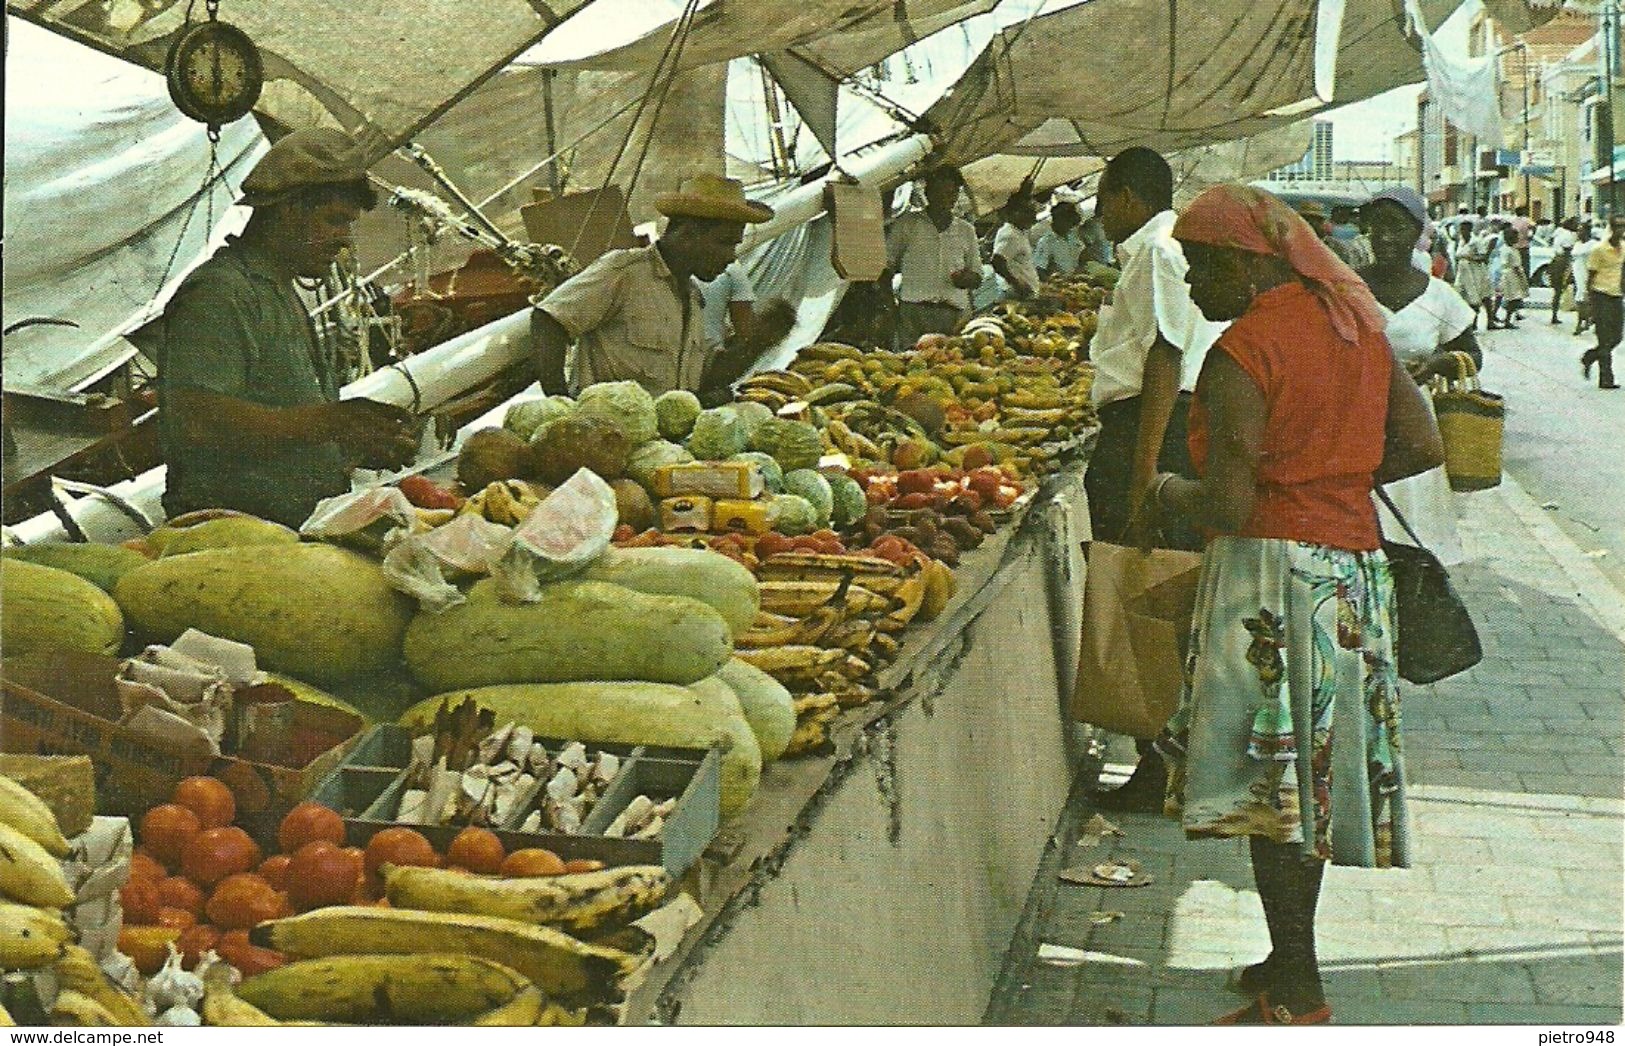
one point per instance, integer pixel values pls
(1436, 638)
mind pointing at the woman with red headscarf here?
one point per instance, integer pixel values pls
(1300, 407)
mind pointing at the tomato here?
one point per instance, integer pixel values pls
(478, 850)
(215, 853)
(194, 941)
(166, 829)
(209, 798)
(308, 823)
(532, 862)
(179, 918)
(274, 870)
(248, 958)
(180, 892)
(322, 874)
(141, 902)
(242, 901)
(399, 846)
(145, 866)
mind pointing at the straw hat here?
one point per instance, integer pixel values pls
(304, 158)
(712, 196)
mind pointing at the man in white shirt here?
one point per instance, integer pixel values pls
(1560, 269)
(1060, 250)
(937, 259)
(1013, 249)
(730, 302)
(1581, 274)
(1147, 351)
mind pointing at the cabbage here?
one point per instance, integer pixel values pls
(649, 457)
(793, 514)
(718, 435)
(675, 413)
(813, 487)
(793, 444)
(624, 404)
(752, 414)
(851, 505)
(772, 475)
(528, 417)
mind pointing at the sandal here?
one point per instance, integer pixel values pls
(1260, 1011)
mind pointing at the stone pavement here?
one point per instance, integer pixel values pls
(1513, 913)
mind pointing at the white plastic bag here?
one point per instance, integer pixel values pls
(561, 537)
(348, 513)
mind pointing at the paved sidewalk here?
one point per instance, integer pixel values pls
(1513, 913)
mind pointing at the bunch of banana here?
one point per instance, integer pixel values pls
(28, 814)
(814, 714)
(775, 389)
(909, 598)
(223, 1008)
(430, 988)
(77, 971)
(584, 902)
(829, 351)
(796, 667)
(793, 631)
(506, 501)
(852, 443)
(28, 873)
(560, 965)
(74, 1009)
(31, 936)
(800, 598)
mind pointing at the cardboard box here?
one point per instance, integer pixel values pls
(64, 703)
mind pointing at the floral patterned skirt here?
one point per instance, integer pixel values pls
(1290, 710)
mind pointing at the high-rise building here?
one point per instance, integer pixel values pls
(1320, 152)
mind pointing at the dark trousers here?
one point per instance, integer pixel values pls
(1608, 313)
(1112, 465)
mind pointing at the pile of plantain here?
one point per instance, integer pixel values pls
(453, 949)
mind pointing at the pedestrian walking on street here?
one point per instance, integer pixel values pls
(1288, 730)
(1561, 266)
(1473, 271)
(1508, 280)
(1603, 266)
(1428, 324)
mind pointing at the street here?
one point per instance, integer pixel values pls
(1512, 912)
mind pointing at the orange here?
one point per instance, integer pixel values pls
(214, 853)
(145, 866)
(274, 870)
(307, 823)
(478, 850)
(209, 798)
(180, 892)
(399, 846)
(165, 830)
(322, 874)
(141, 901)
(243, 901)
(178, 918)
(532, 862)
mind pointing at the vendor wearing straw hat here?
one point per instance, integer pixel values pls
(249, 411)
(636, 315)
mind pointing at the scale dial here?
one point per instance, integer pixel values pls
(214, 73)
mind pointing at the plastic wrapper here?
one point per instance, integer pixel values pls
(561, 537)
(348, 514)
(417, 565)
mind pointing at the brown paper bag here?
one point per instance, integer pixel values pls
(1136, 613)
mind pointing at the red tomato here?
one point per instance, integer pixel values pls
(209, 798)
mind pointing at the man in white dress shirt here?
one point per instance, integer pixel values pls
(1013, 249)
(1147, 351)
(1060, 250)
(938, 260)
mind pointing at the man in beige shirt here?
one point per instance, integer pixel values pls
(1604, 266)
(638, 315)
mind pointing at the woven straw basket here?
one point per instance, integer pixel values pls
(1471, 422)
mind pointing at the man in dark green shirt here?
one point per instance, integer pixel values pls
(249, 414)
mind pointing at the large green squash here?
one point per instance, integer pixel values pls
(228, 532)
(697, 573)
(101, 565)
(766, 704)
(577, 630)
(627, 713)
(43, 608)
(312, 611)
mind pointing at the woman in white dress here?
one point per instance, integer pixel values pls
(1428, 322)
(1473, 270)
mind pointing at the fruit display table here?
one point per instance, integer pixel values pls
(882, 884)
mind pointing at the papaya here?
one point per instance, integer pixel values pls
(578, 630)
(765, 704)
(622, 713)
(50, 609)
(101, 565)
(312, 611)
(696, 573)
(229, 532)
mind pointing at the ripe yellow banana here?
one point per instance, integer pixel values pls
(28, 874)
(800, 598)
(584, 901)
(387, 989)
(77, 969)
(5, 1018)
(27, 813)
(856, 635)
(561, 966)
(793, 666)
(909, 597)
(75, 1009)
(30, 937)
(524, 1010)
(806, 631)
(222, 1008)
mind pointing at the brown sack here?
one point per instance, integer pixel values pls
(1136, 614)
